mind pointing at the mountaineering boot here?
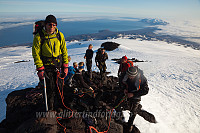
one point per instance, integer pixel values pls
(130, 128)
(134, 129)
(90, 74)
(104, 79)
(101, 74)
(147, 116)
(104, 76)
(130, 122)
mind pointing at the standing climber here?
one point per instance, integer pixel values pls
(100, 59)
(88, 56)
(124, 65)
(51, 58)
(135, 87)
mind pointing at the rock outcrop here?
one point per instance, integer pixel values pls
(96, 111)
(26, 110)
(110, 46)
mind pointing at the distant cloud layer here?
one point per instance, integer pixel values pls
(9, 25)
(68, 19)
(190, 30)
(19, 21)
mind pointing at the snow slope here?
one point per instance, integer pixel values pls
(172, 72)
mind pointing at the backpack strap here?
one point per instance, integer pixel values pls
(42, 37)
(129, 63)
(58, 36)
(139, 76)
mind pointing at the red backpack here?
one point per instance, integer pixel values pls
(128, 64)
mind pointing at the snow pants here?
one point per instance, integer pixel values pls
(133, 104)
(102, 67)
(89, 66)
(53, 96)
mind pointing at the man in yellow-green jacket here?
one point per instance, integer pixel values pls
(50, 57)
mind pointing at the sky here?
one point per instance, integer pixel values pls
(144, 8)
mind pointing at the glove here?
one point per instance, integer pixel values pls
(130, 95)
(40, 72)
(91, 89)
(65, 69)
(97, 64)
(125, 91)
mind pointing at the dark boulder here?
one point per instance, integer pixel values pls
(38, 125)
(110, 46)
(21, 108)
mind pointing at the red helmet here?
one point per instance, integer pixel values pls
(124, 57)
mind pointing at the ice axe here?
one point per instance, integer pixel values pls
(45, 94)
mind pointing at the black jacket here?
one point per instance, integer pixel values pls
(89, 54)
(79, 77)
(138, 86)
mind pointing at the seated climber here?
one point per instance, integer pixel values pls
(71, 72)
(79, 76)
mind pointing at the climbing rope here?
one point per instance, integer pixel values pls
(93, 128)
(81, 93)
(62, 98)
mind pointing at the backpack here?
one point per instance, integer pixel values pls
(99, 51)
(98, 54)
(71, 71)
(124, 69)
(39, 25)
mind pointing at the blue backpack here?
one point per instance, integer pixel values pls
(71, 71)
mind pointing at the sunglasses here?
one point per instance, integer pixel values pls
(49, 24)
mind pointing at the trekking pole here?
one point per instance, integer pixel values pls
(45, 94)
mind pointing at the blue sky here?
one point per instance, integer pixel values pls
(147, 8)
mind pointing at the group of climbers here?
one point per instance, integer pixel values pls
(51, 59)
